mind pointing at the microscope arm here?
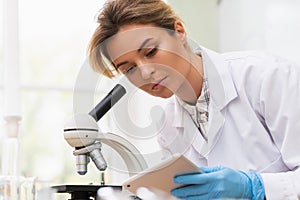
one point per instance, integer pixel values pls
(132, 157)
(82, 132)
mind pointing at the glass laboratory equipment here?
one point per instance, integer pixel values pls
(10, 175)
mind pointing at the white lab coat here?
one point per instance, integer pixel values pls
(254, 120)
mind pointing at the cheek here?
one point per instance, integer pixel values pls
(137, 81)
(174, 62)
(178, 67)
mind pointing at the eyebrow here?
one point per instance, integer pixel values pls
(144, 44)
(139, 49)
(121, 63)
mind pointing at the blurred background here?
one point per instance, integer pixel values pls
(53, 38)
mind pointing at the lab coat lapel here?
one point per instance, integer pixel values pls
(219, 81)
(189, 134)
(178, 134)
(216, 122)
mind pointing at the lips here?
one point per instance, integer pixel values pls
(158, 83)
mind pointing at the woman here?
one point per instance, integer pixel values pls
(235, 114)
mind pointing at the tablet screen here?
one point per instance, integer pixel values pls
(161, 176)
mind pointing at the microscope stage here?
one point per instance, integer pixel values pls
(82, 191)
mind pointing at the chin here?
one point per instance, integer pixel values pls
(162, 92)
(166, 96)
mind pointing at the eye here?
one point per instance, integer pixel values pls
(152, 52)
(129, 70)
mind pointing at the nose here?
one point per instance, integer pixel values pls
(146, 70)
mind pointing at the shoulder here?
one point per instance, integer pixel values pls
(262, 61)
(257, 74)
(255, 66)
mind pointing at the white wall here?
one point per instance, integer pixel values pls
(268, 25)
(200, 19)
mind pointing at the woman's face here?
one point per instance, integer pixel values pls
(151, 58)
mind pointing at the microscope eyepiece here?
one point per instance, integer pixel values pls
(107, 102)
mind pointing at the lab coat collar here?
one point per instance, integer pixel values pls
(219, 81)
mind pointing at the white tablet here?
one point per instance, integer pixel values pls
(161, 176)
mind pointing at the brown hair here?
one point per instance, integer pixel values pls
(117, 13)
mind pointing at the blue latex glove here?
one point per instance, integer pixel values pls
(219, 183)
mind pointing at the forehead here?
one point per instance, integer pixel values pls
(130, 38)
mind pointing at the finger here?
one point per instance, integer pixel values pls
(202, 178)
(211, 169)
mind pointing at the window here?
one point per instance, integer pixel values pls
(53, 40)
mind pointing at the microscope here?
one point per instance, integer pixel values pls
(82, 133)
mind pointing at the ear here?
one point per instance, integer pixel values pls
(180, 31)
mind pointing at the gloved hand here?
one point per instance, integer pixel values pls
(219, 183)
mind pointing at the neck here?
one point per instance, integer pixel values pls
(192, 86)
